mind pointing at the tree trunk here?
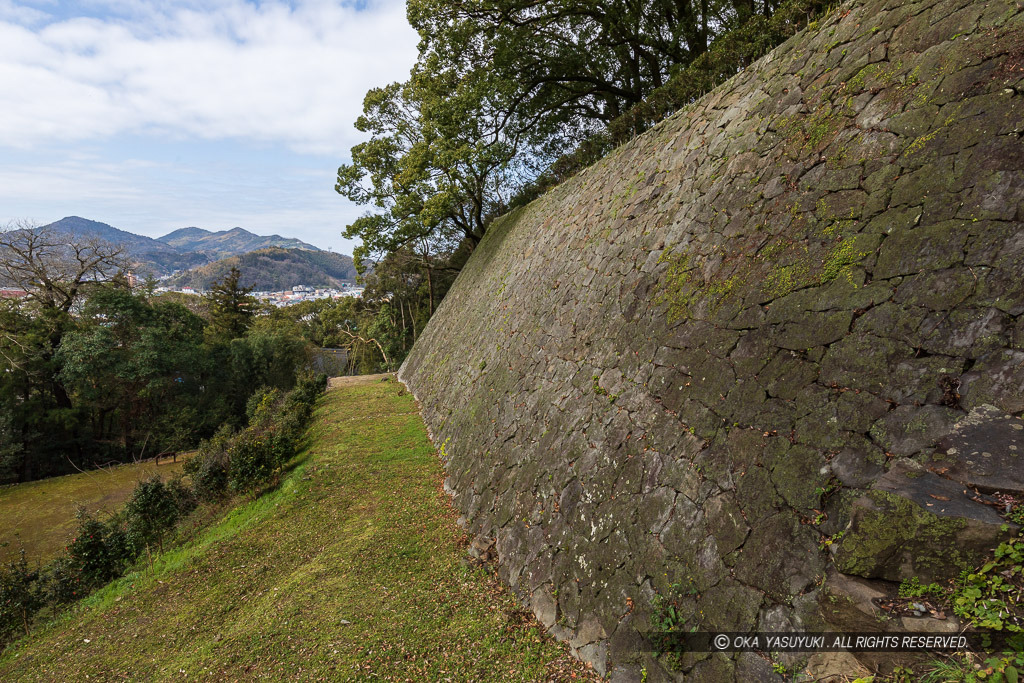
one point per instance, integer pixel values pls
(60, 395)
(430, 286)
(401, 307)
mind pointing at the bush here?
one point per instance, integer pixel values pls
(60, 583)
(20, 597)
(252, 460)
(98, 553)
(290, 429)
(276, 424)
(153, 508)
(262, 405)
(308, 387)
(208, 468)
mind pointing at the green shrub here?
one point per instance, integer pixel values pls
(291, 427)
(20, 597)
(308, 388)
(251, 459)
(98, 553)
(208, 468)
(155, 507)
(276, 424)
(60, 583)
(261, 406)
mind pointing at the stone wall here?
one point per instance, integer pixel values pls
(671, 377)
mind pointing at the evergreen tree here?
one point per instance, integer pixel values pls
(231, 307)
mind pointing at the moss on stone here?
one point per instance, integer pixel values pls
(895, 532)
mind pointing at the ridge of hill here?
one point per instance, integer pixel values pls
(152, 256)
(274, 269)
(228, 242)
(192, 247)
(351, 569)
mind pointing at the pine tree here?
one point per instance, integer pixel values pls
(231, 307)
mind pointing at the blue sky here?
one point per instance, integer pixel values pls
(152, 116)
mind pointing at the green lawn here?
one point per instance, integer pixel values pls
(40, 515)
(350, 570)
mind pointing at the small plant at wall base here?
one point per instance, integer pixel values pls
(1016, 515)
(913, 588)
(667, 617)
(964, 667)
(991, 597)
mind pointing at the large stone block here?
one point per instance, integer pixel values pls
(914, 523)
(985, 451)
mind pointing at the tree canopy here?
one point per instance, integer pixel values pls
(231, 307)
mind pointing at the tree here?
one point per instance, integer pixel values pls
(134, 366)
(19, 597)
(55, 270)
(231, 307)
(501, 89)
(11, 447)
(508, 97)
(577, 60)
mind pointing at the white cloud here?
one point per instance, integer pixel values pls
(271, 72)
(9, 11)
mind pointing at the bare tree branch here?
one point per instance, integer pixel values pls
(56, 269)
(367, 341)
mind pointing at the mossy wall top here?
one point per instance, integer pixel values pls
(668, 376)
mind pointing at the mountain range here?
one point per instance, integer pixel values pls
(268, 260)
(228, 242)
(273, 269)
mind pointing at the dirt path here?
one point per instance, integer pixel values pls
(353, 380)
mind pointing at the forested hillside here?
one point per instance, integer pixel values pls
(228, 242)
(148, 256)
(182, 249)
(274, 269)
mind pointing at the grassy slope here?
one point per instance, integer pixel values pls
(40, 515)
(359, 531)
